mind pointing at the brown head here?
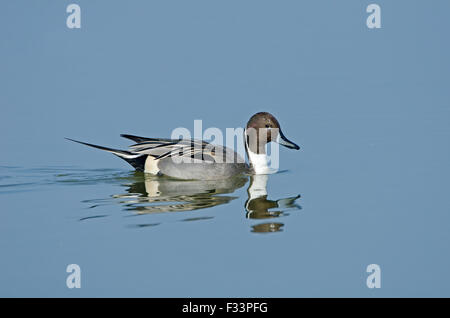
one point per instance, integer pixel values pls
(263, 128)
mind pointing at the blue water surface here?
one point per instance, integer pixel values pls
(370, 109)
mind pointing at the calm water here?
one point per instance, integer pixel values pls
(370, 109)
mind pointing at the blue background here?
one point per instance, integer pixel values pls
(370, 109)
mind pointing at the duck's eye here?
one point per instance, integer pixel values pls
(267, 126)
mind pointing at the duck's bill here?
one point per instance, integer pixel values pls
(282, 140)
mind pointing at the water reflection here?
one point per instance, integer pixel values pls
(259, 207)
(151, 194)
(147, 194)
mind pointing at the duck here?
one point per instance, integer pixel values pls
(192, 159)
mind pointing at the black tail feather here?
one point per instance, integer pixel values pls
(136, 160)
(138, 139)
(138, 163)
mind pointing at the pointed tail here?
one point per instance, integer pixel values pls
(136, 160)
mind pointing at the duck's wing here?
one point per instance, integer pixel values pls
(157, 147)
(161, 148)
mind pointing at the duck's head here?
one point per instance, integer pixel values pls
(263, 128)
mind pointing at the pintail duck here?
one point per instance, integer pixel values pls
(198, 160)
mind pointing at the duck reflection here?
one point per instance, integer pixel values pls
(149, 194)
(259, 207)
(172, 195)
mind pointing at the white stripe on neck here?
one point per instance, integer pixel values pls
(259, 162)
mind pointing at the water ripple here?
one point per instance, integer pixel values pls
(142, 194)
